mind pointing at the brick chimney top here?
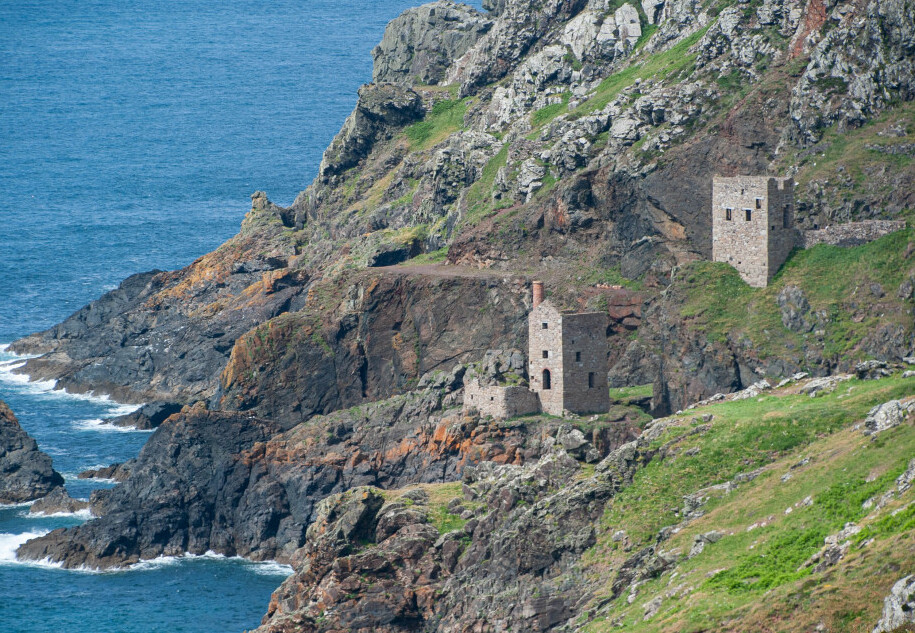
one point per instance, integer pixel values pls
(538, 293)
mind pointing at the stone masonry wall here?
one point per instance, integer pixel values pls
(757, 246)
(742, 243)
(584, 345)
(783, 236)
(499, 402)
(546, 341)
(851, 234)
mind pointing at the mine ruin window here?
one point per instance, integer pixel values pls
(547, 380)
(590, 380)
(544, 325)
(728, 214)
(577, 357)
(785, 217)
(491, 398)
(749, 214)
(759, 203)
(546, 354)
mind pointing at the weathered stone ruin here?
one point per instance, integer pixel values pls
(567, 366)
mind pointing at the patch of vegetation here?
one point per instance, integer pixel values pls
(719, 303)
(658, 67)
(544, 115)
(479, 196)
(832, 85)
(628, 394)
(771, 525)
(445, 118)
(432, 257)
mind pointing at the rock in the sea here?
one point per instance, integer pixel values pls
(117, 472)
(25, 472)
(147, 417)
(58, 501)
(898, 607)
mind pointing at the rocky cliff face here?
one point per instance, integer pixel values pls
(573, 141)
(25, 472)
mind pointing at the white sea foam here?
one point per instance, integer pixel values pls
(271, 568)
(9, 543)
(48, 388)
(101, 424)
(84, 514)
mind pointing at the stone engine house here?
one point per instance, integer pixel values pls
(753, 226)
(567, 367)
(567, 359)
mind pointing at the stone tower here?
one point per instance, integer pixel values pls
(753, 225)
(567, 355)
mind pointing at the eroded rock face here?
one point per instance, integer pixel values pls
(898, 607)
(25, 472)
(420, 45)
(167, 335)
(380, 108)
(381, 566)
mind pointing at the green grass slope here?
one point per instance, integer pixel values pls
(818, 471)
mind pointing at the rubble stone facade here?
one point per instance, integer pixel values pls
(500, 402)
(567, 360)
(852, 233)
(753, 226)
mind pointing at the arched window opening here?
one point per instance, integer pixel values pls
(547, 379)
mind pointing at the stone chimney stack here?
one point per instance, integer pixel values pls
(538, 293)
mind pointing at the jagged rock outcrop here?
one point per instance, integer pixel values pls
(898, 607)
(25, 472)
(380, 108)
(379, 565)
(240, 485)
(420, 45)
(167, 335)
(58, 501)
(147, 417)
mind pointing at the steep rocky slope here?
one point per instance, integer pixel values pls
(321, 351)
(708, 521)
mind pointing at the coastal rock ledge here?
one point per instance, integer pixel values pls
(25, 472)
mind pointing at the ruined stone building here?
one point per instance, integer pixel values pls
(567, 367)
(753, 225)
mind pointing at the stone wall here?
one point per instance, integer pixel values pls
(584, 351)
(499, 402)
(760, 233)
(851, 234)
(783, 235)
(737, 241)
(545, 355)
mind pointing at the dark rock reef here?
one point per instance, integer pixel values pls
(26, 473)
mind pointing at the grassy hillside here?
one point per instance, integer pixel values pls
(851, 292)
(818, 470)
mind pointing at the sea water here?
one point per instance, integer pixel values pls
(131, 137)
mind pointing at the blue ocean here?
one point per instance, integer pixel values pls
(131, 137)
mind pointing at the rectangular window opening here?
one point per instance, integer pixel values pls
(577, 357)
(546, 354)
(728, 214)
(749, 214)
(544, 325)
(590, 380)
(759, 203)
(786, 216)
